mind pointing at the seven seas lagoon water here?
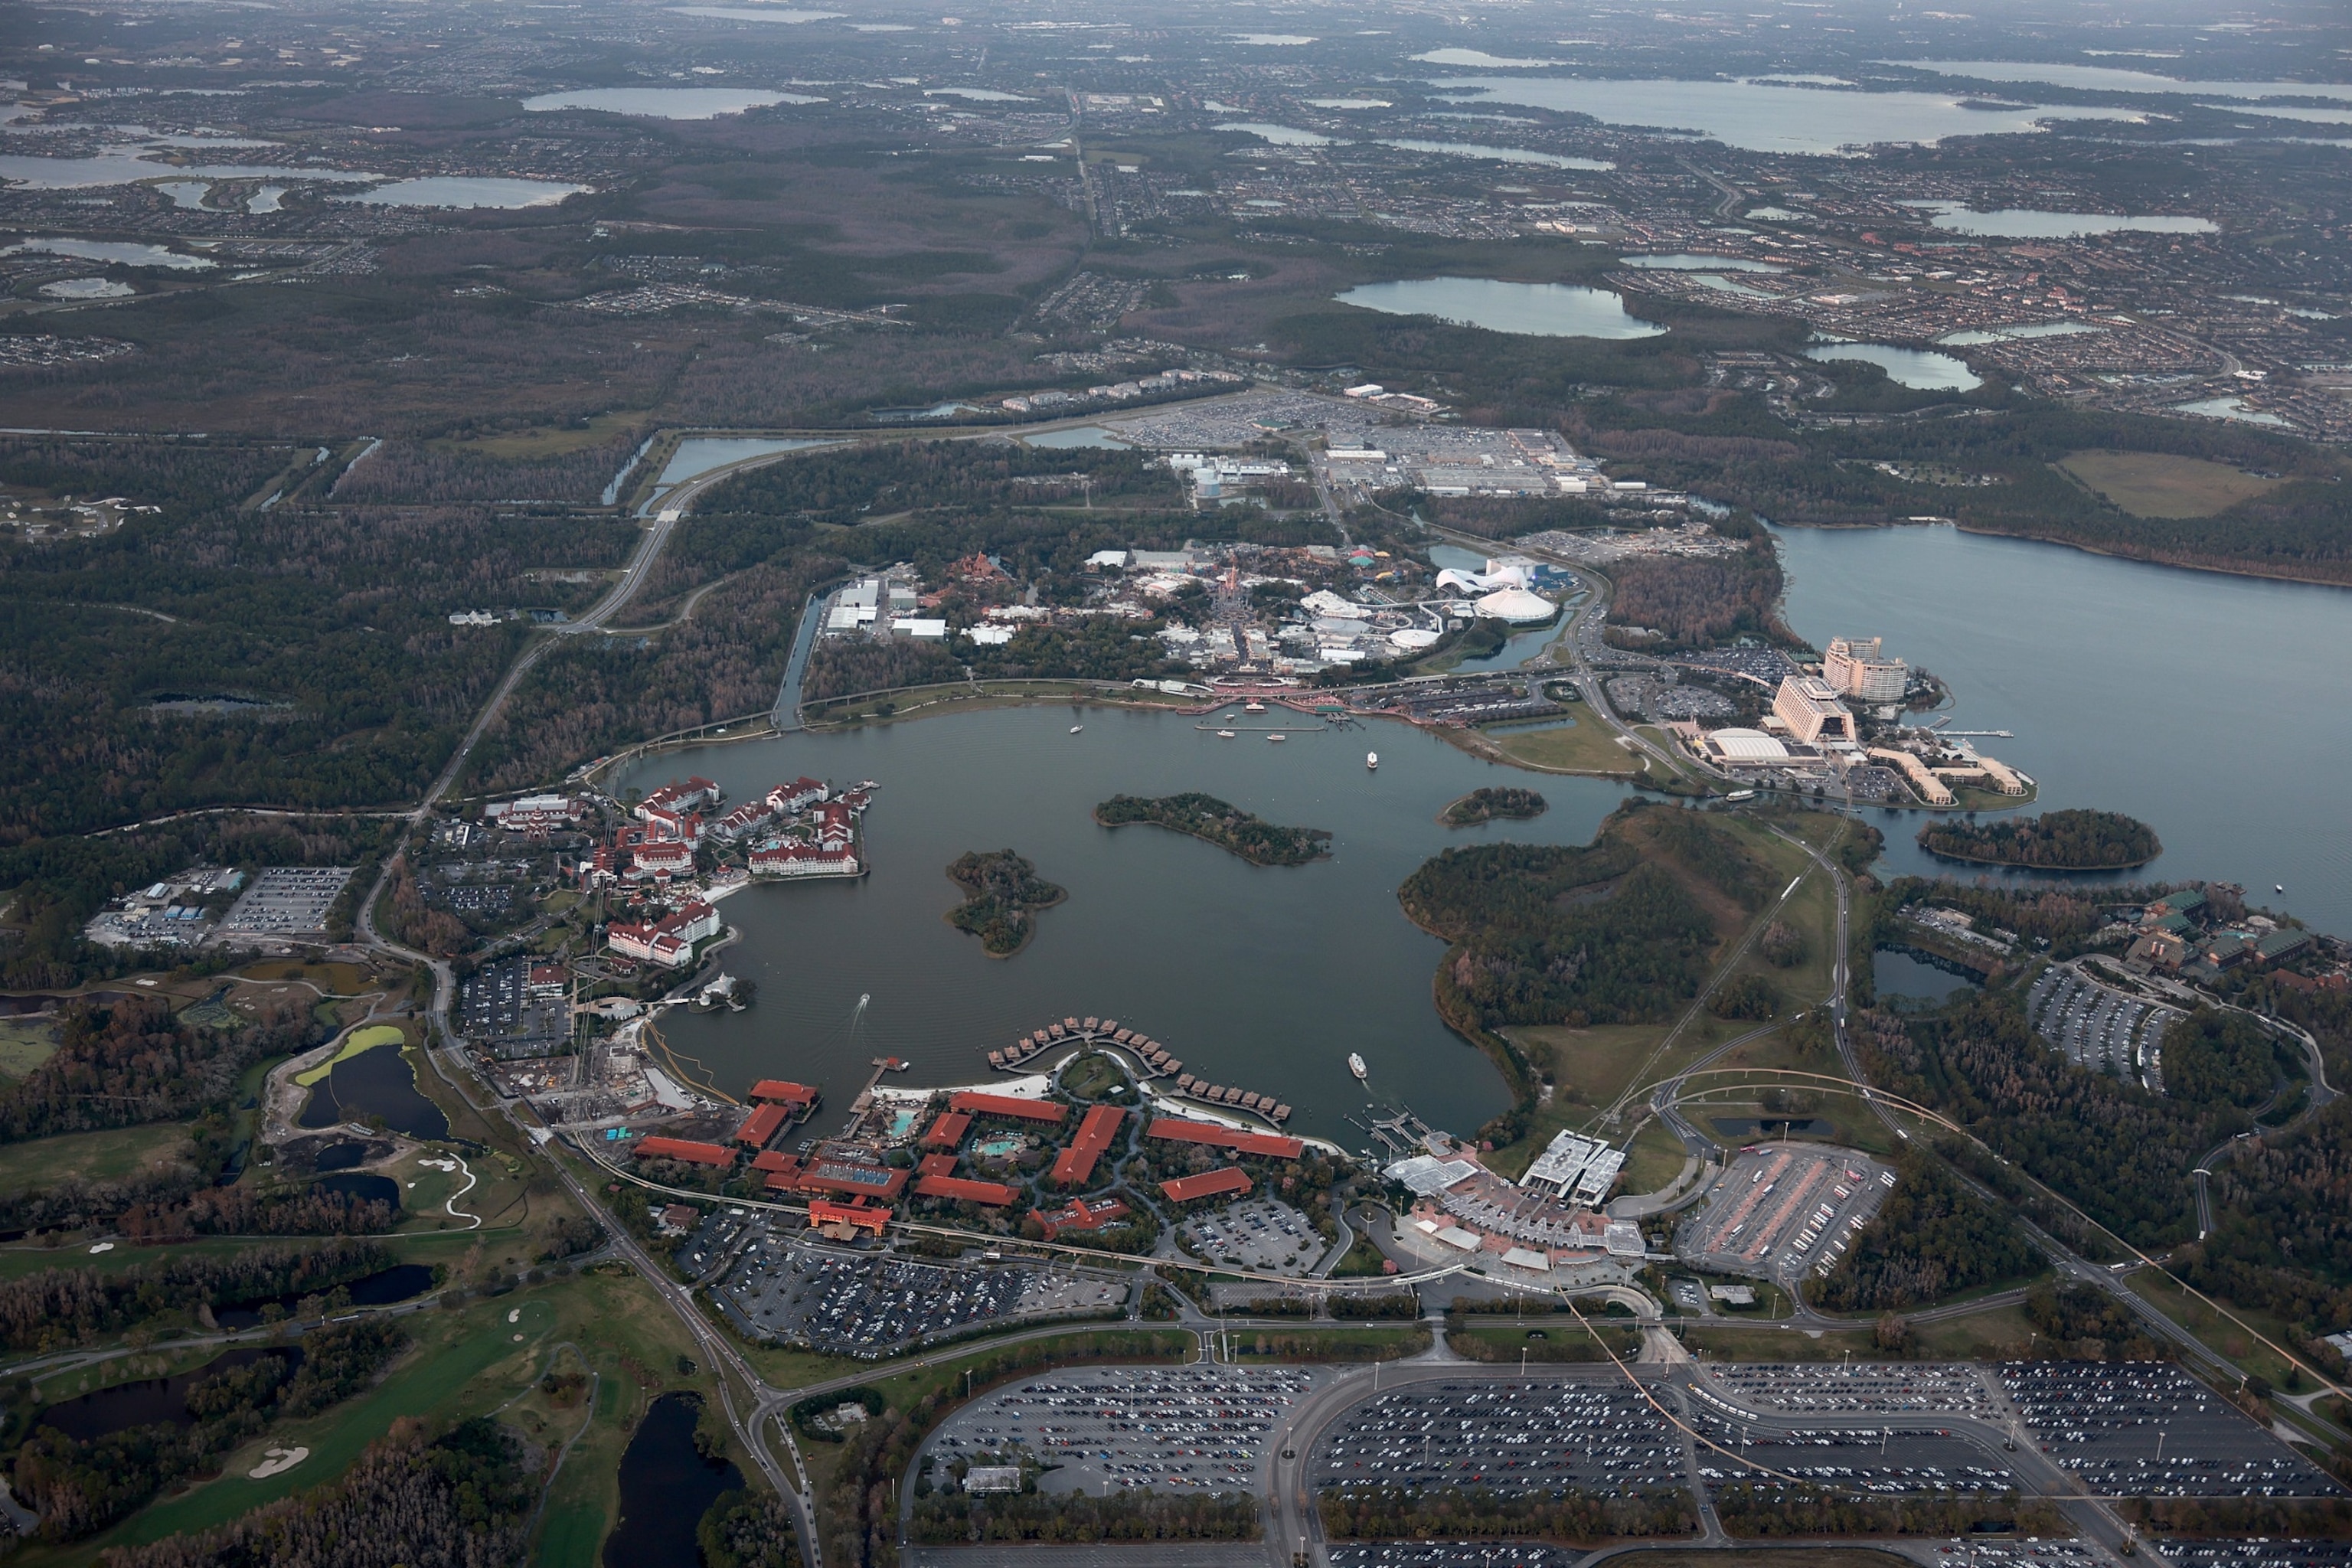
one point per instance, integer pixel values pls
(2128, 686)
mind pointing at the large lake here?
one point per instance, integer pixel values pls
(1766, 116)
(2205, 704)
(1530, 310)
(1266, 977)
(2211, 707)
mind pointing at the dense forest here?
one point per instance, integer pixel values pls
(1213, 821)
(2281, 1237)
(2084, 1323)
(61, 1306)
(841, 667)
(1670, 602)
(1001, 892)
(845, 484)
(464, 1498)
(1421, 1514)
(308, 654)
(123, 1063)
(1932, 1238)
(2055, 841)
(1614, 931)
(1772, 1511)
(2119, 1152)
(748, 1530)
(2217, 1057)
(955, 1518)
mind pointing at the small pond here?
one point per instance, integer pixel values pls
(1902, 972)
(149, 1401)
(1917, 368)
(365, 1185)
(1527, 310)
(379, 1082)
(666, 1486)
(381, 1289)
(2229, 408)
(1771, 1126)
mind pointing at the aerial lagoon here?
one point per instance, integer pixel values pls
(1260, 977)
(665, 102)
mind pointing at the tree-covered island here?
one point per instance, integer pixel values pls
(1205, 818)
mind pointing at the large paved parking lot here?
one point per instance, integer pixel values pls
(1784, 1208)
(1874, 1388)
(2146, 1428)
(1512, 1437)
(1263, 1234)
(868, 1304)
(2099, 1028)
(1180, 1427)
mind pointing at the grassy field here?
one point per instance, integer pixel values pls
(2153, 484)
(25, 1044)
(359, 1040)
(548, 441)
(108, 1157)
(2241, 1348)
(2000, 1332)
(1580, 746)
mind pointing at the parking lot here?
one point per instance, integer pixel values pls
(1890, 1460)
(1509, 1436)
(2258, 1553)
(495, 1007)
(289, 902)
(1196, 1426)
(2098, 1028)
(1875, 1388)
(1784, 1208)
(869, 1304)
(2144, 1429)
(1457, 1554)
(1263, 1234)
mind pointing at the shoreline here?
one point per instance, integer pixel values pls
(2248, 570)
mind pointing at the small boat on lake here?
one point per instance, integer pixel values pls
(1224, 734)
(1371, 761)
(1075, 728)
(1356, 1066)
(1274, 737)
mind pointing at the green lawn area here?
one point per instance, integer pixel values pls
(1583, 745)
(108, 1157)
(1364, 1259)
(1998, 1333)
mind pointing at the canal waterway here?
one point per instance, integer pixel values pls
(2208, 706)
(1263, 977)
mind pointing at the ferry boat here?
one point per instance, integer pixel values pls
(1224, 734)
(1075, 728)
(1371, 761)
(1356, 1065)
(1274, 737)
(1253, 706)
